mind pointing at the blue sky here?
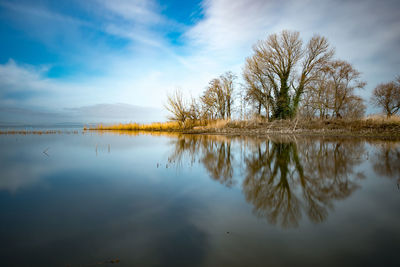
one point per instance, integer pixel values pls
(58, 56)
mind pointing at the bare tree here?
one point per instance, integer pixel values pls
(354, 107)
(208, 108)
(258, 91)
(332, 92)
(213, 100)
(387, 97)
(194, 111)
(178, 107)
(228, 79)
(316, 100)
(217, 99)
(344, 79)
(279, 59)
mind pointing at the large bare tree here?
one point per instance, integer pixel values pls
(288, 67)
(387, 97)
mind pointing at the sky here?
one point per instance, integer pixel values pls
(109, 60)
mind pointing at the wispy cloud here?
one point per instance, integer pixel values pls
(231, 24)
(139, 11)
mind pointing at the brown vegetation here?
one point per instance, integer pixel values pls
(369, 126)
(387, 97)
(366, 126)
(331, 94)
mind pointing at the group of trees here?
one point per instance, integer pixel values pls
(284, 78)
(216, 102)
(217, 99)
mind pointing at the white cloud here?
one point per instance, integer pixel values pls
(229, 24)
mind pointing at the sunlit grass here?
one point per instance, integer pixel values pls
(157, 126)
(380, 118)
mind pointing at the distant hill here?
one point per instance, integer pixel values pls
(99, 113)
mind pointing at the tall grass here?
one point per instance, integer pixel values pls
(157, 126)
(380, 118)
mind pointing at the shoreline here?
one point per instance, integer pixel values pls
(332, 128)
(256, 128)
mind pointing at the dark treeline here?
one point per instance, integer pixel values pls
(286, 78)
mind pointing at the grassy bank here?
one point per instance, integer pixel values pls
(372, 125)
(159, 126)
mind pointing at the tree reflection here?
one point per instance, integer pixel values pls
(214, 153)
(386, 160)
(268, 183)
(282, 178)
(217, 159)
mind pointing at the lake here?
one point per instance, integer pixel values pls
(118, 199)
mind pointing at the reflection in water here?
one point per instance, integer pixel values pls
(213, 152)
(282, 178)
(386, 160)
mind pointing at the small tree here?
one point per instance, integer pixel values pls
(332, 93)
(228, 80)
(387, 97)
(213, 104)
(257, 87)
(354, 107)
(344, 80)
(217, 99)
(194, 112)
(178, 107)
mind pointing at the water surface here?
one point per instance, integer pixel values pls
(91, 199)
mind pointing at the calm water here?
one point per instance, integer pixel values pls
(89, 199)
